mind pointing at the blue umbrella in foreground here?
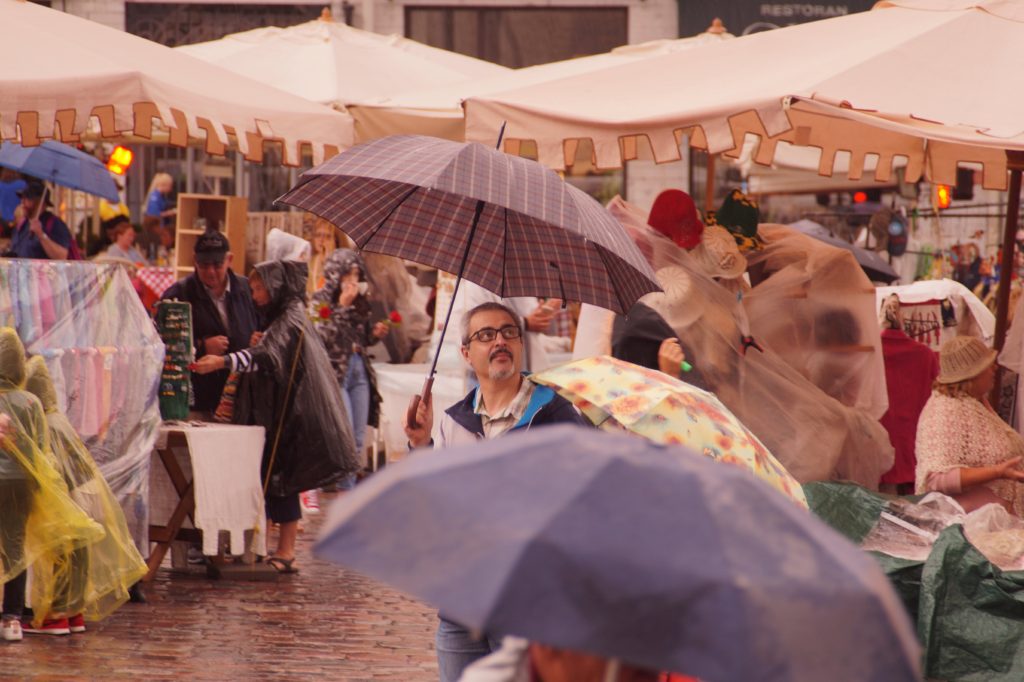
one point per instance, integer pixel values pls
(616, 546)
(62, 165)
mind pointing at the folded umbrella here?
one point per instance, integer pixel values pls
(62, 165)
(610, 545)
(618, 394)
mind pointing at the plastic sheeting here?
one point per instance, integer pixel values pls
(105, 357)
(812, 434)
(969, 610)
(37, 516)
(813, 304)
(94, 579)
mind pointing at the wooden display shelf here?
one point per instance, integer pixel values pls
(228, 214)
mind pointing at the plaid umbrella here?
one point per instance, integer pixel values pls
(509, 224)
(418, 197)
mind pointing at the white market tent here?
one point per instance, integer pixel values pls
(927, 82)
(437, 110)
(329, 62)
(91, 72)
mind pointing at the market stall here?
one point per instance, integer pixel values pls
(104, 356)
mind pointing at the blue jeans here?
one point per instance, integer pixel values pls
(457, 648)
(355, 391)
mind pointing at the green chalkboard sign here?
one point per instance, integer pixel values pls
(174, 322)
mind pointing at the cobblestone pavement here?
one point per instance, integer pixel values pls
(324, 623)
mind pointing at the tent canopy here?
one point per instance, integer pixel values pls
(332, 63)
(90, 70)
(437, 109)
(832, 84)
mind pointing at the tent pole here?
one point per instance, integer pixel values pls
(709, 185)
(1015, 162)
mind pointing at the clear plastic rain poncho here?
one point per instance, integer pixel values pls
(92, 580)
(816, 437)
(813, 304)
(105, 357)
(37, 517)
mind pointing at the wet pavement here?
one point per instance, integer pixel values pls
(324, 622)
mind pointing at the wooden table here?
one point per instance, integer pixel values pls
(225, 460)
(161, 537)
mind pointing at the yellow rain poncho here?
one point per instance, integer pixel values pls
(92, 580)
(37, 515)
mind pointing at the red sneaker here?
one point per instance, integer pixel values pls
(76, 623)
(57, 626)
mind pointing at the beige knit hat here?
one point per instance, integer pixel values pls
(963, 358)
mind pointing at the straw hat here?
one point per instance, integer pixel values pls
(963, 358)
(678, 302)
(718, 254)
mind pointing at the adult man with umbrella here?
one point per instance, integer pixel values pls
(505, 402)
(41, 234)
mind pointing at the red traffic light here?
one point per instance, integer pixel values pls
(860, 197)
(943, 196)
(119, 160)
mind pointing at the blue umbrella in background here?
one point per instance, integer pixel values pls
(612, 545)
(62, 165)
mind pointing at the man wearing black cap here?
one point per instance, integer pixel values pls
(39, 236)
(224, 319)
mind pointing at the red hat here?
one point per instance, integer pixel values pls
(675, 215)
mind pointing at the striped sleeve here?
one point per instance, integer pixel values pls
(242, 362)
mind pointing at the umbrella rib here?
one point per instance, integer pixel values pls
(618, 294)
(504, 251)
(385, 219)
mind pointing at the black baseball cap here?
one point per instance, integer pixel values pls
(34, 189)
(211, 247)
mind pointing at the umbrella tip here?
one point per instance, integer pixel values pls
(325, 14)
(716, 27)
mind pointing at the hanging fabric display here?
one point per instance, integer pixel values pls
(104, 356)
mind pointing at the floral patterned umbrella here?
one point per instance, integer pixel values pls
(617, 394)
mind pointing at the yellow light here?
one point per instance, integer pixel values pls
(943, 196)
(119, 160)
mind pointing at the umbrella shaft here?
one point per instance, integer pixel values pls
(458, 280)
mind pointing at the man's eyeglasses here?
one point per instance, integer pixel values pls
(488, 334)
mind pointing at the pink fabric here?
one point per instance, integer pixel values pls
(910, 369)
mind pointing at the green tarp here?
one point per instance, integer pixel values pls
(969, 613)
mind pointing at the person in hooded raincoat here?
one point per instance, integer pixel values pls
(346, 330)
(37, 515)
(289, 388)
(96, 579)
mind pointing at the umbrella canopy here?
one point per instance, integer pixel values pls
(616, 393)
(871, 262)
(91, 70)
(62, 165)
(841, 72)
(505, 223)
(333, 63)
(614, 546)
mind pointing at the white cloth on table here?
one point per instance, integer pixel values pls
(226, 482)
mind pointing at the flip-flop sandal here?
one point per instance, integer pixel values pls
(282, 565)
